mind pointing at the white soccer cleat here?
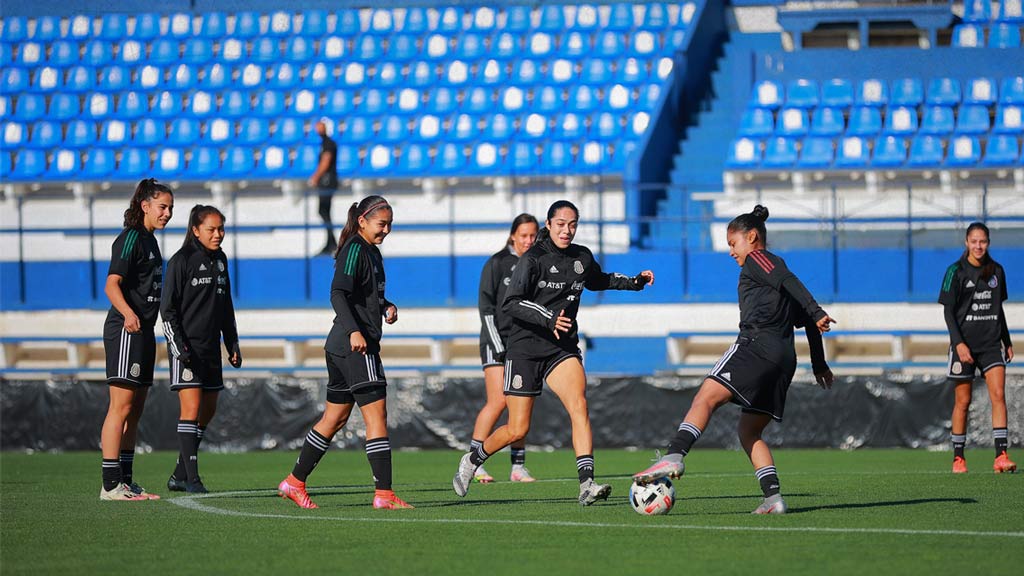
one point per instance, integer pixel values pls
(120, 492)
(520, 474)
(772, 505)
(591, 492)
(464, 475)
(140, 492)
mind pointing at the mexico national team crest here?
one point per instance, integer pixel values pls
(186, 375)
(577, 267)
(957, 367)
(517, 381)
(993, 281)
(136, 370)
(220, 265)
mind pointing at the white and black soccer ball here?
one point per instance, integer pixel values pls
(652, 499)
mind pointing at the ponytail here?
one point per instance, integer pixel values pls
(752, 221)
(146, 190)
(195, 218)
(363, 209)
(988, 265)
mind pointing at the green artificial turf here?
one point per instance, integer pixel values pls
(867, 512)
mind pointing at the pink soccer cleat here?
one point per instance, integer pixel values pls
(959, 465)
(482, 476)
(521, 474)
(662, 468)
(387, 500)
(1004, 464)
(291, 489)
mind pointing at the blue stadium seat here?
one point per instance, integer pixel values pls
(46, 80)
(179, 26)
(594, 158)
(283, 76)
(816, 153)
(201, 104)
(767, 94)
(205, 162)
(609, 45)
(443, 101)
(307, 158)
(650, 94)
(269, 104)
(569, 126)
(575, 45)
(314, 24)
(183, 132)
(463, 128)
(552, 18)
(212, 25)
(28, 165)
(214, 77)
(30, 54)
(969, 36)
(436, 47)
(889, 152)
(478, 100)
(379, 159)
(548, 100)
(45, 134)
(80, 28)
(219, 131)
(408, 101)
(583, 98)
(247, 25)
(381, 22)
(114, 78)
(169, 162)
(98, 164)
(47, 29)
(511, 99)
(944, 92)
(596, 72)
(907, 92)
(149, 78)
(253, 76)
(414, 160)
(802, 93)
(280, 24)
(15, 134)
(131, 52)
(166, 105)
(1010, 11)
(357, 130)
(837, 93)
(779, 152)
(852, 153)
(606, 127)
(423, 75)
(521, 158)
(15, 29)
(1001, 150)
(368, 49)
(1008, 119)
(426, 128)
(238, 162)
(63, 54)
(389, 75)
(235, 103)
(98, 53)
(1004, 36)
(925, 151)
(265, 50)
(972, 119)
(147, 27)
(963, 151)
(64, 166)
(348, 24)
(288, 131)
(273, 162)
(149, 132)
(80, 134)
(6, 55)
(164, 51)
(506, 46)
(872, 92)
(526, 72)
(534, 126)
(450, 159)
(134, 164)
(63, 107)
(655, 17)
(827, 122)
(483, 19)
(630, 72)
(1011, 90)
(498, 127)
(6, 165)
(181, 78)
(977, 11)
(980, 91)
(743, 153)
(556, 158)
(901, 121)
(791, 122)
(517, 18)
(337, 103)
(232, 52)
(13, 80)
(98, 106)
(937, 121)
(29, 107)
(470, 47)
(6, 107)
(491, 73)
(299, 49)
(540, 45)
(416, 21)
(621, 17)
(375, 102)
(253, 131)
(402, 48)
(354, 75)
(757, 123)
(587, 19)
(393, 130)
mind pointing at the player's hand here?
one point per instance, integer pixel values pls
(358, 342)
(562, 324)
(311, 182)
(391, 314)
(824, 379)
(185, 358)
(236, 357)
(1009, 354)
(823, 324)
(645, 277)
(132, 324)
(964, 353)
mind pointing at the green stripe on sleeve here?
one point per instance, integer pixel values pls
(352, 260)
(950, 273)
(129, 243)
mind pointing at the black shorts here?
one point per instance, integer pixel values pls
(204, 372)
(488, 357)
(130, 357)
(526, 377)
(352, 373)
(757, 384)
(985, 359)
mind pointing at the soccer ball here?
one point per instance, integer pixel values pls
(652, 499)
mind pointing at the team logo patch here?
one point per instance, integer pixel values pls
(195, 282)
(517, 381)
(993, 282)
(957, 367)
(577, 267)
(541, 284)
(220, 266)
(136, 370)
(507, 281)
(186, 375)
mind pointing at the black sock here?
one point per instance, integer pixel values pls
(769, 480)
(111, 473)
(518, 456)
(179, 467)
(959, 441)
(999, 436)
(312, 451)
(187, 446)
(585, 467)
(684, 439)
(378, 452)
(478, 456)
(474, 444)
(127, 458)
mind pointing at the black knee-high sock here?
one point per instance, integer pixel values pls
(999, 436)
(769, 480)
(179, 467)
(585, 467)
(312, 451)
(518, 456)
(959, 441)
(378, 452)
(684, 439)
(127, 459)
(111, 473)
(187, 448)
(478, 455)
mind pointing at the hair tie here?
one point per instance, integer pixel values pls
(372, 208)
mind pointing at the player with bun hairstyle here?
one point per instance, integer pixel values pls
(196, 310)
(972, 296)
(355, 373)
(543, 298)
(133, 286)
(756, 371)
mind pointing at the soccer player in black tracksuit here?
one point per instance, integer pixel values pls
(756, 371)
(972, 296)
(133, 287)
(355, 372)
(196, 309)
(543, 299)
(494, 331)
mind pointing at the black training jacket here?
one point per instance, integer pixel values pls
(357, 296)
(494, 280)
(135, 257)
(973, 306)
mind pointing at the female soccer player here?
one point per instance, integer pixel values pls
(543, 298)
(355, 372)
(196, 309)
(133, 286)
(494, 330)
(756, 371)
(972, 296)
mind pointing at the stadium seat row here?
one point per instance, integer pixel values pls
(843, 93)
(891, 152)
(980, 11)
(382, 21)
(999, 36)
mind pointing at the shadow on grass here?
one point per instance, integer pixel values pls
(854, 506)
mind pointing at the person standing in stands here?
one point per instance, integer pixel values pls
(494, 331)
(355, 373)
(196, 310)
(325, 180)
(972, 296)
(133, 286)
(756, 371)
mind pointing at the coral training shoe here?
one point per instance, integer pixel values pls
(140, 492)
(520, 474)
(662, 468)
(387, 500)
(772, 505)
(960, 465)
(120, 492)
(291, 489)
(482, 476)
(1004, 464)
